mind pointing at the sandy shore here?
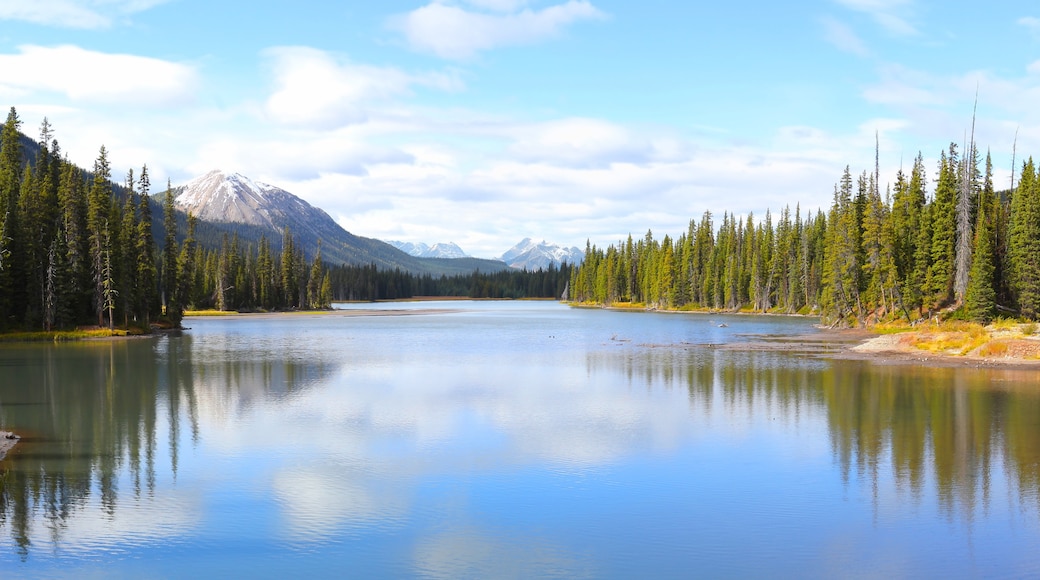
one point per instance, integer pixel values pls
(1011, 351)
(998, 350)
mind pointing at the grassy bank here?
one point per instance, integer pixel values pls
(1003, 339)
(65, 335)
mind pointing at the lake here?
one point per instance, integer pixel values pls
(509, 439)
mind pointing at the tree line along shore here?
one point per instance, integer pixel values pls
(82, 256)
(963, 251)
(78, 251)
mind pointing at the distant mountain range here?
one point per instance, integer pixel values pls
(449, 250)
(252, 209)
(525, 255)
(236, 203)
(531, 256)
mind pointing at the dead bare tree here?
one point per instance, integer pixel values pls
(964, 229)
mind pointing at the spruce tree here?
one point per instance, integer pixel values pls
(980, 299)
(99, 202)
(168, 275)
(145, 275)
(944, 228)
(11, 260)
(1024, 242)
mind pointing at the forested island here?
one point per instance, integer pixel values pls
(965, 251)
(78, 250)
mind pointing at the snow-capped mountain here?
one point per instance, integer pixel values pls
(236, 203)
(532, 256)
(439, 250)
(234, 198)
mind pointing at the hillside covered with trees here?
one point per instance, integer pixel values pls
(963, 249)
(77, 249)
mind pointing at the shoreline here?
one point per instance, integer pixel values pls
(343, 313)
(991, 347)
(8, 440)
(1006, 346)
(1013, 351)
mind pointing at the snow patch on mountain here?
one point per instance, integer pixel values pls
(438, 250)
(533, 256)
(234, 198)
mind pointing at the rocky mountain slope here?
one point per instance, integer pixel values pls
(532, 256)
(449, 250)
(252, 209)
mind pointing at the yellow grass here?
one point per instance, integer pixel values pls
(210, 312)
(953, 337)
(993, 349)
(893, 327)
(1004, 324)
(61, 335)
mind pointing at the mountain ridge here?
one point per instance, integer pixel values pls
(532, 256)
(449, 250)
(254, 209)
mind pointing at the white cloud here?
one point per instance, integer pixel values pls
(96, 77)
(842, 37)
(1032, 23)
(89, 14)
(498, 5)
(890, 14)
(579, 142)
(452, 32)
(316, 89)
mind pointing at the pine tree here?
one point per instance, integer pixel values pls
(169, 274)
(126, 253)
(1024, 242)
(944, 228)
(314, 282)
(72, 209)
(185, 269)
(98, 215)
(11, 260)
(290, 283)
(145, 275)
(980, 299)
(840, 292)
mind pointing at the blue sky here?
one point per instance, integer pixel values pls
(486, 121)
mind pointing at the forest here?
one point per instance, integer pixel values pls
(963, 251)
(77, 249)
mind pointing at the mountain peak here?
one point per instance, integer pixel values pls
(531, 256)
(438, 250)
(220, 196)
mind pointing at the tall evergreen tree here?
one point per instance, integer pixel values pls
(99, 202)
(169, 274)
(11, 260)
(944, 228)
(1024, 242)
(145, 274)
(980, 300)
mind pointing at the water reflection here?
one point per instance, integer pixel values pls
(326, 443)
(960, 429)
(93, 416)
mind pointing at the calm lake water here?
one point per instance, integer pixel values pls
(509, 439)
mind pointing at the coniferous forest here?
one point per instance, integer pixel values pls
(965, 251)
(77, 249)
